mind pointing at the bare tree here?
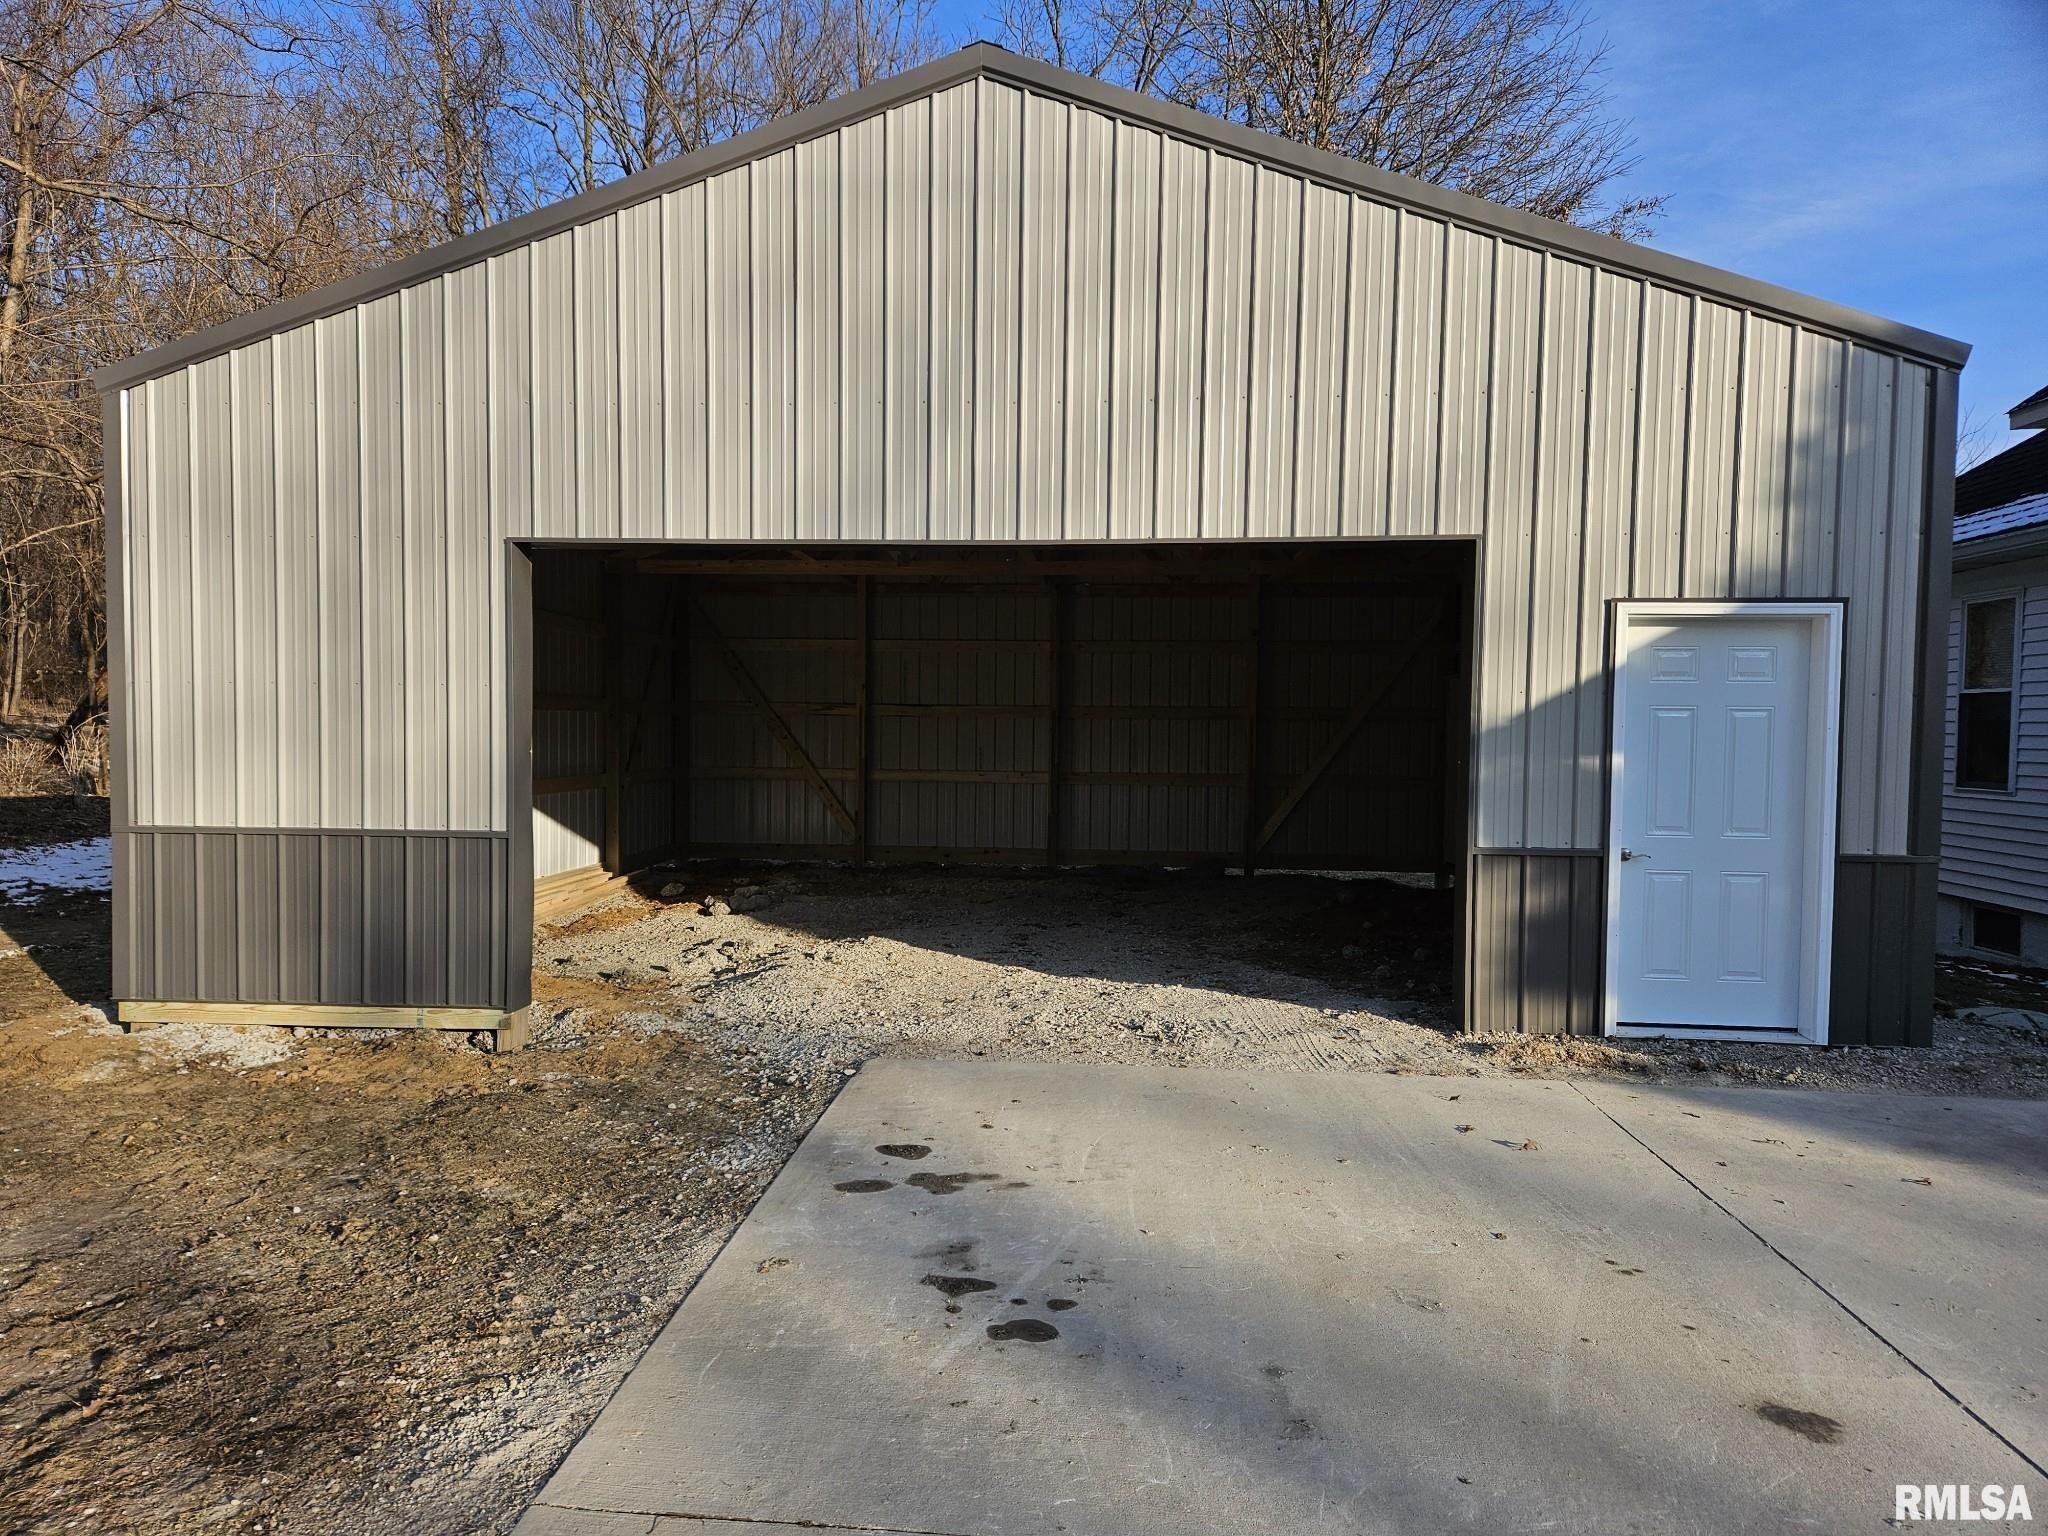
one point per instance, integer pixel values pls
(161, 168)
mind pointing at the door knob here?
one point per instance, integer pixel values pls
(1630, 853)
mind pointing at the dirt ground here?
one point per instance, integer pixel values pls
(252, 1281)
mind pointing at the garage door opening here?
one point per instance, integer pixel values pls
(1134, 710)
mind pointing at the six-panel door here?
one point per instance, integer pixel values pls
(1712, 823)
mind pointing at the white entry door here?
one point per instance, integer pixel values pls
(1721, 835)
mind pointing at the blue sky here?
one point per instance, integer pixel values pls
(1891, 155)
(1888, 155)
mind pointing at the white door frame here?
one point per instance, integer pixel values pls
(1824, 722)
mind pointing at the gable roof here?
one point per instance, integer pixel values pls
(2021, 470)
(988, 60)
(2030, 412)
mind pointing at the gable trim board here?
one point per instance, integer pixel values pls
(311, 627)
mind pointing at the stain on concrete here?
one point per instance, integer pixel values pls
(1025, 1330)
(1419, 1303)
(909, 1151)
(949, 1183)
(1817, 1427)
(1061, 1304)
(863, 1186)
(957, 1285)
(1275, 1372)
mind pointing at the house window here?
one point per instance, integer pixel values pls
(1984, 708)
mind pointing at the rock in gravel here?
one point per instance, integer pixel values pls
(674, 889)
(751, 898)
(716, 908)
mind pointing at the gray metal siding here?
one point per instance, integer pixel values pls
(1882, 991)
(1994, 847)
(991, 313)
(377, 918)
(1616, 439)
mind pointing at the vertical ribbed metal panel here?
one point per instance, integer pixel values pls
(1553, 645)
(1817, 373)
(1319, 389)
(1862, 576)
(954, 275)
(686, 267)
(469, 692)
(596, 314)
(1610, 481)
(729, 351)
(1091, 219)
(1764, 461)
(509, 383)
(1041, 431)
(1369, 366)
(1468, 362)
(983, 315)
(772, 283)
(1178, 426)
(818, 428)
(555, 382)
(423, 694)
(905, 331)
(1507, 597)
(864, 323)
(337, 351)
(1274, 358)
(210, 592)
(1663, 405)
(1709, 539)
(255, 578)
(1226, 348)
(1418, 375)
(1903, 519)
(400, 501)
(1134, 339)
(998, 313)
(642, 427)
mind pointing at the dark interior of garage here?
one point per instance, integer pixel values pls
(1298, 707)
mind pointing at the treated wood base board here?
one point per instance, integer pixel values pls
(556, 896)
(509, 1030)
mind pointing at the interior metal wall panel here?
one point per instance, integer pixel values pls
(999, 308)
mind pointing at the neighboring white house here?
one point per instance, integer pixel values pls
(1994, 825)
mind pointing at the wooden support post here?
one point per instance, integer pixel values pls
(1255, 667)
(1055, 716)
(513, 1034)
(613, 852)
(863, 706)
(682, 693)
(1334, 747)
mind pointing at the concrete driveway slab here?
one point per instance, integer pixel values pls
(1925, 1217)
(990, 1300)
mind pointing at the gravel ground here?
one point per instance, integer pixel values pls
(265, 1282)
(820, 969)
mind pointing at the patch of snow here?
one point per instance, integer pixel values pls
(86, 865)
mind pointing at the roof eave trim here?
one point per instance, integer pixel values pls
(2003, 548)
(986, 59)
